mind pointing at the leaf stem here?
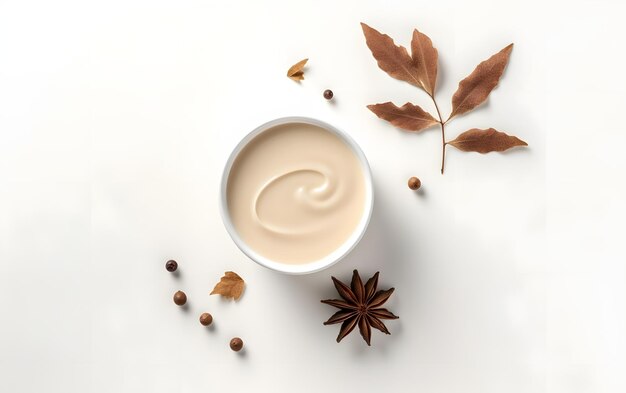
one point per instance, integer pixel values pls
(443, 133)
(443, 146)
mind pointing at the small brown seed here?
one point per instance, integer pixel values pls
(236, 344)
(206, 319)
(180, 298)
(414, 183)
(171, 265)
(328, 94)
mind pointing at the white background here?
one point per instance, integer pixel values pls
(116, 118)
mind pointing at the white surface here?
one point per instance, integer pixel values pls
(117, 116)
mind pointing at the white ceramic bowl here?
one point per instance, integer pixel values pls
(331, 258)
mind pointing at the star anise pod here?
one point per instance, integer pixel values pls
(360, 306)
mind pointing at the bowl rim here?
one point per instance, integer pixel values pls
(336, 255)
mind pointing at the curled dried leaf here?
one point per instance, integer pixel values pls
(475, 89)
(230, 285)
(485, 141)
(296, 71)
(408, 117)
(425, 60)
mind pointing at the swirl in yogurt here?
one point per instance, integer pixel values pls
(296, 193)
(305, 194)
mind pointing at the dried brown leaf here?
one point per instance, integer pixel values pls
(296, 71)
(391, 58)
(425, 60)
(485, 141)
(230, 285)
(475, 89)
(408, 117)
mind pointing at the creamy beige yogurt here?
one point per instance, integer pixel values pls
(296, 193)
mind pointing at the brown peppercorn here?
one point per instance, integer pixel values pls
(328, 94)
(171, 265)
(180, 298)
(414, 183)
(206, 319)
(236, 344)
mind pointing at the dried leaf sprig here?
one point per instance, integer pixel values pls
(420, 70)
